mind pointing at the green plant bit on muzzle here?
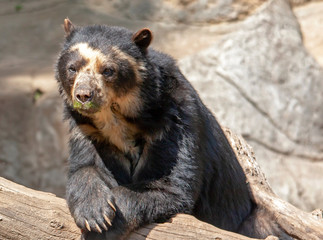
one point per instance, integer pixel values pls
(89, 105)
(86, 106)
(77, 105)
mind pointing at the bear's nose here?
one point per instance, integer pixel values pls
(83, 95)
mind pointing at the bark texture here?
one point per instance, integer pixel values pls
(30, 214)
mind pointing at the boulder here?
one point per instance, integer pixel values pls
(310, 18)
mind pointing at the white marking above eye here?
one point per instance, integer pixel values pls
(88, 53)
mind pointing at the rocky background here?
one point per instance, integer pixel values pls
(257, 64)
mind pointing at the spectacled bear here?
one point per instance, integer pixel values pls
(143, 146)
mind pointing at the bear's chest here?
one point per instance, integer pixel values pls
(116, 131)
(125, 137)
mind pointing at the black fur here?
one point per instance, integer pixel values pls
(190, 169)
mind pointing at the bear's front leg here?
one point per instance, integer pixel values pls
(88, 192)
(90, 200)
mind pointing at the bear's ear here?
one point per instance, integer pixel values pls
(68, 27)
(142, 38)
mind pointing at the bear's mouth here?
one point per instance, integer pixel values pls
(87, 108)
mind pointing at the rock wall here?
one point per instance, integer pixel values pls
(33, 138)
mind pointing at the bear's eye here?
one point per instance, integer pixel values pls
(72, 69)
(108, 72)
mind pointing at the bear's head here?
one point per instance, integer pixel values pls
(102, 68)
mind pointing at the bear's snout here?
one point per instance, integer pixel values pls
(85, 99)
(83, 94)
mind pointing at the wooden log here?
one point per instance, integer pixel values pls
(31, 214)
(284, 217)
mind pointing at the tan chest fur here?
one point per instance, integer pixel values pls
(115, 130)
(109, 128)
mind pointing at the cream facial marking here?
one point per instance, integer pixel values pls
(94, 59)
(130, 104)
(92, 55)
(111, 126)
